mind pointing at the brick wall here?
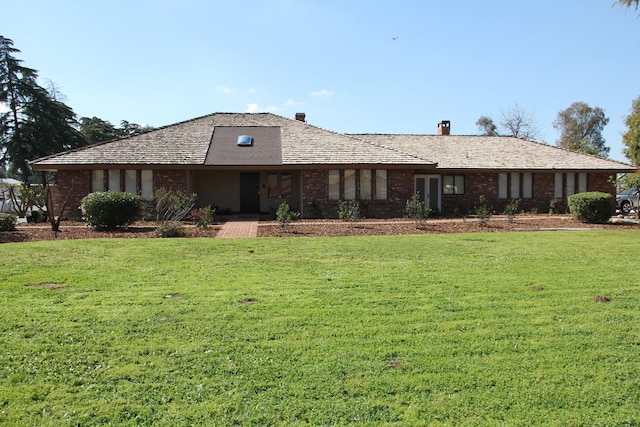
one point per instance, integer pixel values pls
(486, 184)
(171, 179)
(81, 182)
(316, 203)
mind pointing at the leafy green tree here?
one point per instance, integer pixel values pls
(631, 138)
(36, 124)
(581, 128)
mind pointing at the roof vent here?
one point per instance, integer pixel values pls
(245, 141)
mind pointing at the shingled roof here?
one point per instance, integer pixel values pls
(189, 143)
(195, 143)
(468, 152)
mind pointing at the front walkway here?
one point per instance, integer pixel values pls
(235, 229)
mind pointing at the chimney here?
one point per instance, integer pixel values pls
(300, 117)
(444, 127)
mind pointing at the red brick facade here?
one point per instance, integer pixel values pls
(80, 180)
(400, 188)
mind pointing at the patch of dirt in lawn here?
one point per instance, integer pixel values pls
(50, 285)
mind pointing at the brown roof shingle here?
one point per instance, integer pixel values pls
(193, 143)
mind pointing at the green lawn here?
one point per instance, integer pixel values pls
(467, 329)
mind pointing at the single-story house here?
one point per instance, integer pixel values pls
(247, 163)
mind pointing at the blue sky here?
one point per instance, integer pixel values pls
(159, 62)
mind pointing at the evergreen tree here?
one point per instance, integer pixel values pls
(36, 124)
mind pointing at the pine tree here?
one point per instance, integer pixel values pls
(36, 124)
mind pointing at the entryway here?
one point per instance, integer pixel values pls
(250, 192)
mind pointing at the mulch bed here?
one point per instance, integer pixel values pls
(78, 230)
(315, 228)
(431, 226)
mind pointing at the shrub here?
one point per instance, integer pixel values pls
(111, 209)
(283, 215)
(592, 207)
(170, 229)
(203, 216)
(483, 212)
(511, 209)
(349, 210)
(416, 210)
(8, 222)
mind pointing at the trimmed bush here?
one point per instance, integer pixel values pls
(8, 222)
(110, 210)
(593, 207)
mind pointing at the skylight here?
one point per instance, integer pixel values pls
(245, 141)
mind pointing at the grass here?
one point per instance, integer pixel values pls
(467, 329)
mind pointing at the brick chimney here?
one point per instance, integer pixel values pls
(300, 117)
(444, 127)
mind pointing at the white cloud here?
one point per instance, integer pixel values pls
(252, 108)
(291, 103)
(223, 89)
(322, 93)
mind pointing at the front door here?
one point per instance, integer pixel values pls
(428, 189)
(250, 192)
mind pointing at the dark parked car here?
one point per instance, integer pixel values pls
(627, 200)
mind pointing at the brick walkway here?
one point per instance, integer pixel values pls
(238, 229)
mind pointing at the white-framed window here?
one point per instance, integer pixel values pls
(344, 183)
(503, 179)
(97, 181)
(515, 185)
(131, 181)
(558, 193)
(453, 184)
(381, 184)
(569, 183)
(334, 184)
(114, 179)
(365, 184)
(350, 184)
(582, 182)
(146, 184)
